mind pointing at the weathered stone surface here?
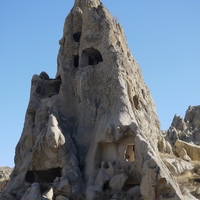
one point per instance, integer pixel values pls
(60, 197)
(198, 191)
(48, 194)
(105, 174)
(192, 117)
(177, 166)
(118, 181)
(179, 123)
(94, 123)
(5, 173)
(33, 193)
(187, 129)
(186, 150)
(183, 135)
(134, 192)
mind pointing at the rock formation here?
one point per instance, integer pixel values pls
(4, 177)
(187, 129)
(93, 132)
(183, 135)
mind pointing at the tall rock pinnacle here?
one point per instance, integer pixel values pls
(92, 132)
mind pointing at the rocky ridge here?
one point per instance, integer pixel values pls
(92, 132)
(183, 135)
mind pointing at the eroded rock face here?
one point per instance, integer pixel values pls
(187, 129)
(183, 161)
(94, 124)
(5, 173)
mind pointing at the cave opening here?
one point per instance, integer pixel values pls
(90, 56)
(106, 186)
(77, 36)
(129, 153)
(76, 61)
(91, 61)
(43, 177)
(48, 88)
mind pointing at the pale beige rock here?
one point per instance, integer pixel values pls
(187, 129)
(198, 191)
(48, 194)
(188, 195)
(183, 149)
(5, 173)
(118, 181)
(179, 123)
(164, 146)
(177, 166)
(54, 136)
(193, 116)
(183, 135)
(95, 123)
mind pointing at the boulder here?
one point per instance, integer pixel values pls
(187, 151)
(117, 181)
(33, 193)
(134, 192)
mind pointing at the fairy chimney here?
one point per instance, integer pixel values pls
(92, 131)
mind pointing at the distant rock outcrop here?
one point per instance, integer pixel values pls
(5, 173)
(93, 132)
(187, 129)
(184, 137)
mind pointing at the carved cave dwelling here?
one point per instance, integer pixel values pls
(93, 132)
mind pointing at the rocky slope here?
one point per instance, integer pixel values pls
(184, 137)
(5, 173)
(92, 132)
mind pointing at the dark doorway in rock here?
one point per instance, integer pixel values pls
(43, 177)
(76, 61)
(130, 184)
(106, 186)
(90, 56)
(77, 36)
(30, 177)
(48, 88)
(91, 61)
(129, 153)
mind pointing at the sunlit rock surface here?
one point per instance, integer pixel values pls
(92, 132)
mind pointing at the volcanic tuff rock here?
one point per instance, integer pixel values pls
(187, 129)
(93, 132)
(183, 135)
(4, 177)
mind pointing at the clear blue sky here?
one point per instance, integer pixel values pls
(164, 38)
